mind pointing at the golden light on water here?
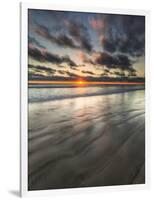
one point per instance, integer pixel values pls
(81, 82)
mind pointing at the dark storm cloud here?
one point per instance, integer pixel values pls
(132, 74)
(110, 61)
(43, 31)
(103, 74)
(87, 72)
(70, 62)
(46, 56)
(61, 39)
(74, 67)
(42, 69)
(39, 72)
(80, 34)
(63, 72)
(33, 41)
(32, 76)
(88, 60)
(121, 74)
(106, 59)
(77, 37)
(106, 70)
(72, 75)
(125, 34)
(66, 72)
(65, 41)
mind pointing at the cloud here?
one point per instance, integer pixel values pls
(108, 44)
(97, 23)
(72, 75)
(46, 56)
(74, 67)
(66, 72)
(120, 33)
(83, 57)
(60, 40)
(104, 74)
(121, 74)
(106, 70)
(40, 72)
(124, 34)
(77, 37)
(33, 41)
(80, 34)
(110, 61)
(70, 62)
(63, 72)
(43, 31)
(36, 76)
(87, 72)
(132, 74)
(42, 68)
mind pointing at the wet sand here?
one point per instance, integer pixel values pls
(87, 141)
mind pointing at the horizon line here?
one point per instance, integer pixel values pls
(80, 82)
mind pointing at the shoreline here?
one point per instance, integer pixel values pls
(86, 95)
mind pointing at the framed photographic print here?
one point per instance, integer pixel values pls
(82, 98)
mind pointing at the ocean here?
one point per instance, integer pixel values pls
(55, 92)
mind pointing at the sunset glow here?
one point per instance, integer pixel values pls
(38, 82)
(80, 82)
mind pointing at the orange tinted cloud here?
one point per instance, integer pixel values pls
(97, 24)
(81, 56)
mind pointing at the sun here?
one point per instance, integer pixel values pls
(80, 82)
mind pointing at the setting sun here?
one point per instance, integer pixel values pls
(80, 82)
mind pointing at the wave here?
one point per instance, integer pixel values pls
(41, 97)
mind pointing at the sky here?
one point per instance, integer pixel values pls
(64, 45)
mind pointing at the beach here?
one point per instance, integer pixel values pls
(78, 138)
